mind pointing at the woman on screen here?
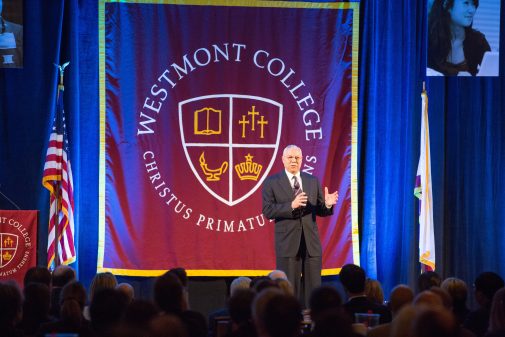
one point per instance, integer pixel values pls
(454, 47)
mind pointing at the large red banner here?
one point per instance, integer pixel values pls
(199, 102)
(18, 244)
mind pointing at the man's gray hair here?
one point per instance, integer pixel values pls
(289, 147)
(241, 282)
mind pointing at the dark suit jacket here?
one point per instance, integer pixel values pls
(277, 198)
(364, 305)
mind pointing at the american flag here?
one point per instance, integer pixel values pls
(57, 178)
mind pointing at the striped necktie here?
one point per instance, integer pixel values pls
(296, 186)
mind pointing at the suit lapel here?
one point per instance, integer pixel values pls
(285, 184)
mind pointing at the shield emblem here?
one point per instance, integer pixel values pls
(8, 248)
(230, 142)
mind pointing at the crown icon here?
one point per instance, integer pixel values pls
(7, 256)
(248, 170)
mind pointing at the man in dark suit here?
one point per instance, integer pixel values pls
(353, 279)
(294, 199)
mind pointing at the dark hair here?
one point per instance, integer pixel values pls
(427, 280)
(10, 304)
(37, 275)
(282, 316)
(439, 32)
(239, 305)
(62, 275)
(107, 308)
(37, 301)
(353, 278)
(323, 298)
(181, 275)
(488, 283)
(72, 301)
(168, 293)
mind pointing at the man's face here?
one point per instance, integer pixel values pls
(292, 160)
(462, 12)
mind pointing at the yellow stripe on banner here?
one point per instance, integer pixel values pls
(354, 141)
(202, 272)
(101, 168)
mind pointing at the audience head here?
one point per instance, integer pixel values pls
(401, 295)
(37, 300)
(428, 298)
(282, 316)
(167, 326)
(107, 308)
(241, 282)
(353, 278)
(169, 294)
(333, 322)
(457, 289)
(434, 322)
(37, 275)
(62, 275)
(486, 285)
(373, 291)
(285, 286)
(427, 280)
(323, 298)
(263, 282)
(72, 301)
(444, 296)
(259, 303)
(126, 289)
(181, 275)
(10, 304)
(101, 281)
(239, 305)
(277, 274)
(139, 313)
(497, 315)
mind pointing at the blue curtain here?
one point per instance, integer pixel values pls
(466, 125)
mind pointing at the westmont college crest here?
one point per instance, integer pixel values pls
(230, 142)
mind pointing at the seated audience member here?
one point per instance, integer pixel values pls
(167, 326)
(10, 309)
(458, 291)
(427, 280)
(139, 313)
(99, 282)
(37, 275)
(241, 282)
(36, 304)
(239, 306)
(497, 315)
(277, 314)
(71, 320)
(169, 297)
(107, 309)
(373, 291)
(401, 295)
(61, 276)
(323, 298)
(263, 282)
(277, 274)
(333, 323)
(183, 277)
(486, 285)
(127, 289)
(353, 279)
(285, 286)
(434, 322)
